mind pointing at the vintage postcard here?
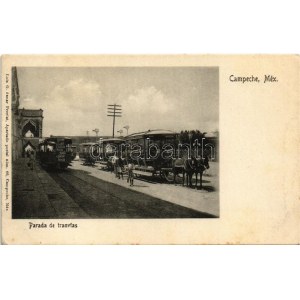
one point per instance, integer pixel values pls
(166, 149)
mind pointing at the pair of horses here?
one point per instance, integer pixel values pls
(188, 166)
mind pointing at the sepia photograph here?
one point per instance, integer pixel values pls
(115, 142)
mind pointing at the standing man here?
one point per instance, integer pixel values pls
(115, 163)
(32, 160)
(130, 174)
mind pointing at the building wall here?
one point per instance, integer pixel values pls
(21, 117)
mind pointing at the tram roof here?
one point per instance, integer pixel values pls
(151, 133)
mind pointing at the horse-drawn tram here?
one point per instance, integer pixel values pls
(85, 153)
(151, 152)
(55, 152)
(107, 150)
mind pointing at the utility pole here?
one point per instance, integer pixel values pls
(114, 110)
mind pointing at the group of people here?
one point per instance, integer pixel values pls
(118, 164)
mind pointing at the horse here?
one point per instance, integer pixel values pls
(177, 167)
(188, 167)
(110, 164)
(201, 165)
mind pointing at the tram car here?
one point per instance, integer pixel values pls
(87, 153)
(149, 145)
(108, 148)
(55, 152)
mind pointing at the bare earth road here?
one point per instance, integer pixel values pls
(101, 199)
(75, 194)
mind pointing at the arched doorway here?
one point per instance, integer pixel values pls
(29, 130)
(28, 147)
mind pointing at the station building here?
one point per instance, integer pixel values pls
(27, 124)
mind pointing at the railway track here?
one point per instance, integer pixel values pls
(101, 199)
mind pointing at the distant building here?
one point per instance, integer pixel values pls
(27, 124)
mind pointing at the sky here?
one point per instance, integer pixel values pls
(74, 100)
